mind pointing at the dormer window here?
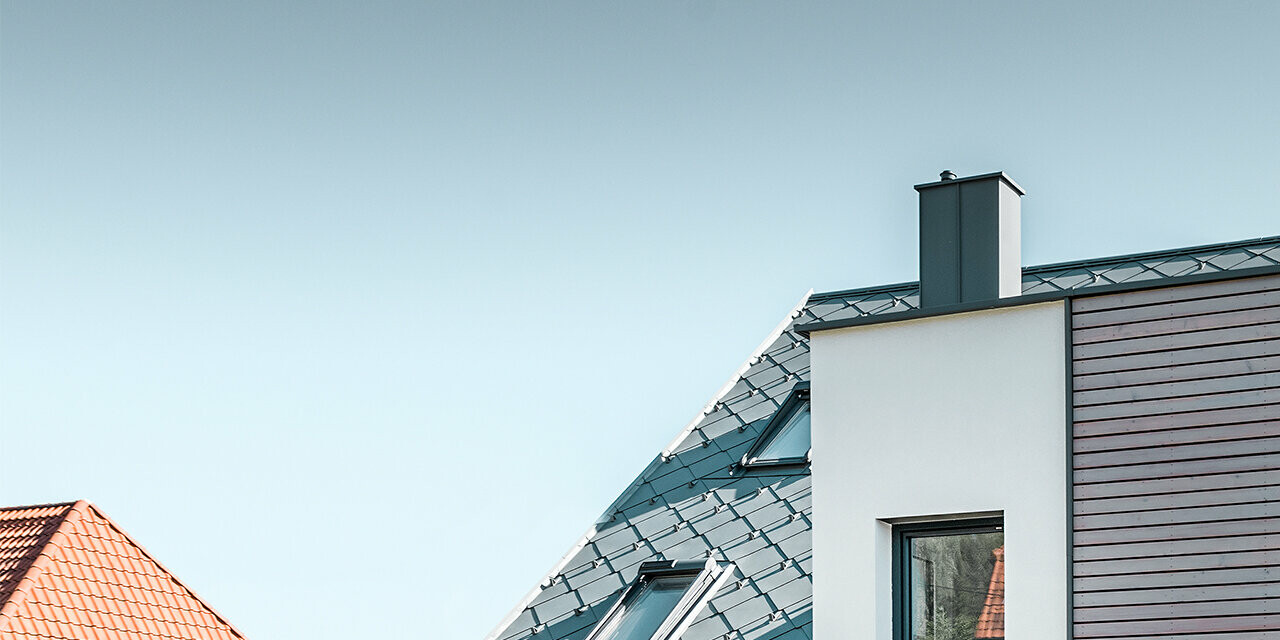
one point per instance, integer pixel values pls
(660, 604)
(786, 438)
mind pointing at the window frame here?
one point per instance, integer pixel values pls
(706, 577)
(902, 534)
(798, 399)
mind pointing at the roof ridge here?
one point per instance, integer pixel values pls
(1143, 255)
(47, 505)
(1059, 266)
(31, 573)
(85, 506)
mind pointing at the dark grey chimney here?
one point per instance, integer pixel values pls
(970, 239)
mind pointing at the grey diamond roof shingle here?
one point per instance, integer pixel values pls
(690, 502)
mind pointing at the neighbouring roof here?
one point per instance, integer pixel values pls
(67, 571)
(991, 620)
(692, 502)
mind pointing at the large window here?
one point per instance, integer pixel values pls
(661, 602)
(786, 438)
(949, 580)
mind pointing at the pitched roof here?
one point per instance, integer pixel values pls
(67, 571)
(692, 502)
(991, 620)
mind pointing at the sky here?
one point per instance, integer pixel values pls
(357, 315)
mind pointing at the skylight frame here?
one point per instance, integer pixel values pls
(707, 577)
(796, 401)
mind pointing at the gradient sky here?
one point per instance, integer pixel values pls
(357, 315)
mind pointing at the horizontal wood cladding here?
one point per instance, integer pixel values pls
(1176, 462)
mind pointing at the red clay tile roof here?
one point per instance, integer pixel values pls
(991, 621)
(67, 571)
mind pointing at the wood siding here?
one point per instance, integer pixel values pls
(1176, 462)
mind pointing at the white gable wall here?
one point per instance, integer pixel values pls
(955, 414)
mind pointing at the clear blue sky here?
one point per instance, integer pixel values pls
(357, 315)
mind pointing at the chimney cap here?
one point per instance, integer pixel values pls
(947, 174)
(986, 176)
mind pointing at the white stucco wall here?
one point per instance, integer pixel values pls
(957, 414)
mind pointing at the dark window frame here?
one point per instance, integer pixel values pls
(705, 573)
(902, 534)
(796, 401)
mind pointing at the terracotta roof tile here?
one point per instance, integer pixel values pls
(67, 571)
(991, 620)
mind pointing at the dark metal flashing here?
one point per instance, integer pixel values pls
(901, 287)
(998, 174)
(1069, 400)
(1097, 290)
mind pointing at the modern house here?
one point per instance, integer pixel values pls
(68, 571)
(1088, 449)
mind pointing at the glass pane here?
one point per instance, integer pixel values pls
(792, 440)
(957, 586)
(640, 617)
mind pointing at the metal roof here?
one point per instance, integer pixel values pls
(692, 502)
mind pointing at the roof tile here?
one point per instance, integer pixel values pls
(85, 578)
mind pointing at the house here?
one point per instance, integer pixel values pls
(1087, 449)
(68, 571)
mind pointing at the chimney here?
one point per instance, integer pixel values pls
(970, 239)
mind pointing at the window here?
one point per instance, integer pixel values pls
(661, 602)
(948, 580)
(786, 438)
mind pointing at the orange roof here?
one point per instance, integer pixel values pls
(991, 621)
(67, 571)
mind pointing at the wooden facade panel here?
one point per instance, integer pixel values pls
(1191, 340)
(1128, 362)
(1178, 626)
(1175, 437)
(1158, 564)
(1266, 542)
(1178, 594)
(1163, 406)
(1221, 315)
(1178, 469)
(1176, 500)
(1178, 452)
(1179, 389)
(1190, 531)
(1179, 516)
(1176, 373)
(1176, 463)
(1177, 485)
(1246, 576)
(1233, 415)
(1186, 609)
(1167, 295)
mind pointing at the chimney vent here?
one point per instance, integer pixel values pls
(970, 239)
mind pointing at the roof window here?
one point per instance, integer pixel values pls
(786, 438)
(661, 602)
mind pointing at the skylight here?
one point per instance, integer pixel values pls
(661, 602)
(792, 440)
(786, 438)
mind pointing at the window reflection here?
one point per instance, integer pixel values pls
(956, 586)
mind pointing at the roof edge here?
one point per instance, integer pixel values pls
(1035, 298)
(85, 506)
(582, 542)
